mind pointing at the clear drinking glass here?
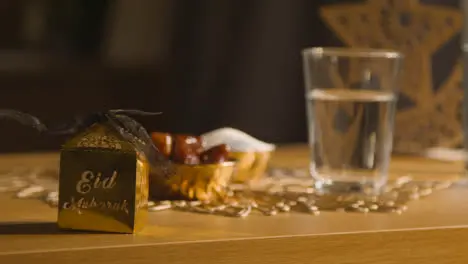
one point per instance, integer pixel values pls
(351, 98)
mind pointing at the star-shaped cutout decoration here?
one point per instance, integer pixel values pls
(418, 31)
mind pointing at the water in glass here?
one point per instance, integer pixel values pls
(350, 136)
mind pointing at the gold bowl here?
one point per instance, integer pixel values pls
(204, 182)
(251, 166)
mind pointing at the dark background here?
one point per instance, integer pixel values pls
(204, 64)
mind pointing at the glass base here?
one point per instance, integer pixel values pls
(463, 182)
(337, 187)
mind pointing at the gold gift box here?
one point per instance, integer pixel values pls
(251, 166)
(103, 183)
(204, 182)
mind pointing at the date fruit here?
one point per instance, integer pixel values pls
(186, 149)
(163, 142)
(216, 154)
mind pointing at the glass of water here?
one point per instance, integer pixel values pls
(351, 99)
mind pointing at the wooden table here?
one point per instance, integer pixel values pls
(434, 230)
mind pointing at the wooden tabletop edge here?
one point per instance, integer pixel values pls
(240, 239)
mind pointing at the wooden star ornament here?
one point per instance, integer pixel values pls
(418, 31)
